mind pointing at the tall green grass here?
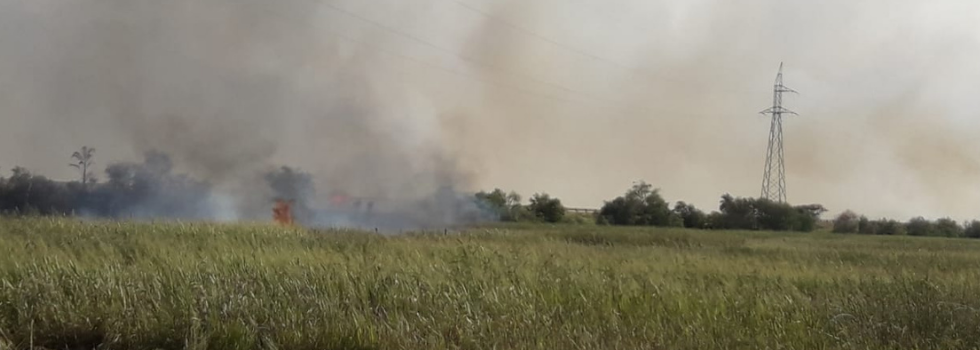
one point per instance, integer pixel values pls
(65, 284)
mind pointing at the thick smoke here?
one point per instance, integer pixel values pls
(434, 98)
(230, 90)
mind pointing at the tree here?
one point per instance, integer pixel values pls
(546, 208)
(867, 227)
(736, 213)
(764, 214)
(919, 226)
(83, 160)
(150, 189)
(808, 217)
(972, 229)
(692, 217)
(641, 205)
(27, 193)
(890, 228)
(847, 222)
(505, 206)
(947, 227)
(656, 211)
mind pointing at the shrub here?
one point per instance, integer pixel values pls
(920, 227)
(690, 216)
(546, 208)
(867, 227)
(505, 206)
(640, 206)
(972, 229)
(847, 222)
(890, 228)
(736, 213)
(602, 220)
(808, 216)
(579, 219)
(764, 214)
(947, 227)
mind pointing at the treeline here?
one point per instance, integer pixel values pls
(147, 189)
(642, 205)
(132, 190)
(849, 222)
(151, 189)
(507, 207)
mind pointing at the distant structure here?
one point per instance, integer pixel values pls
(774, 178)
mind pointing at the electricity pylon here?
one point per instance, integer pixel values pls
(774, 178)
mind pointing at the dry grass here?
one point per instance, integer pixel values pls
(72, 285)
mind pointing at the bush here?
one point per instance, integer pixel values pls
(690, 216)
(546, 208)
(947, 227)
(736, 213)
(867, 227)
(764, 214)
(640, 206)
(505, 206)
(602, 221)
(714, 220)
(579, 219)
(847, 222)
(27, 194)
(890, 228)
(972, 229)
(920, 227)
(808, 216)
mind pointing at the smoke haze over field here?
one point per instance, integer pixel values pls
(397, 100)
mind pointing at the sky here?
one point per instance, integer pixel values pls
(575, 98)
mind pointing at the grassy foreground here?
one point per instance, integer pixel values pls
(71, 285)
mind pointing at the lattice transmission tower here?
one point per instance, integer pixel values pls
(774, 178)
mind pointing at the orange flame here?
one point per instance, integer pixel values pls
(282, 212)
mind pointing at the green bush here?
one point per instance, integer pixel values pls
(763, 214)
(546, 208)
(579, 219)
(972, 229)
(890, 228)
(642, 205)
(690, 216)
(920, 227)
(867, 227)
(847, 222)
(505, 206)
(947, 227)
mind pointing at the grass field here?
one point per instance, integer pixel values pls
(72, 285)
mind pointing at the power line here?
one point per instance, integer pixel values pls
(476, 78)
(445, 50)
(596, 100)
(526, 31)
(521, 29)
(433, 65)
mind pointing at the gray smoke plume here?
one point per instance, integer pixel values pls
(229, 90)
(405, 102)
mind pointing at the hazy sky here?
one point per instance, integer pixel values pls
(577, 98)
